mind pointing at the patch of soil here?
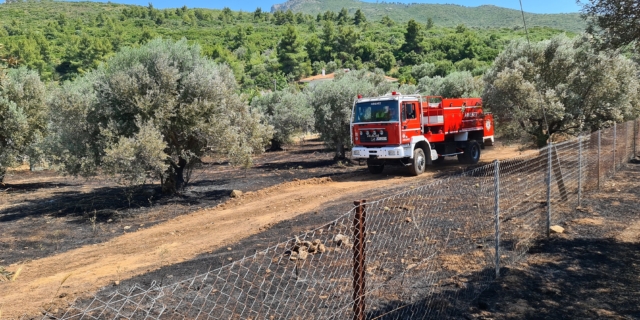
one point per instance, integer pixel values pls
(588, 272)
(76, 253)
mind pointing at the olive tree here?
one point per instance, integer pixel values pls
(332, 102)
(154, 112)
(616, 21)
(288, 112)
(560, 85)
(23, 115)
(454, 85)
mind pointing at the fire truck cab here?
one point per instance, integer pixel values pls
(414, 130)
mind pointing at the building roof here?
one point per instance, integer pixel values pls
(330, 76)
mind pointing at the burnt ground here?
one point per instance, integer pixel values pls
(588, 272)
(591, 271)
(43, 213)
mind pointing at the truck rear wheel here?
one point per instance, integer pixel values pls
(419, 162)
(375, 167)
(471, 153)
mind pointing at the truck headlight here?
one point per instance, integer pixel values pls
(356, 152)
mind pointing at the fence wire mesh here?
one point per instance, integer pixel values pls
(427, 251)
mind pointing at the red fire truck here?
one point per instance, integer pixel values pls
(414, 131)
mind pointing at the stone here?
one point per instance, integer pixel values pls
(321, 248)
(303, 254)
(236, 193)
(341, 239)
(556, 229)
(127, 227)
(316, 242)
(407, 219)
(293, 256)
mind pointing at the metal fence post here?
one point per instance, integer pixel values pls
(496, 169)
(579, 170)
(549, 188)
(615, 135)
(359, 260)
(635, 136)
(599, 146)
(625, 153)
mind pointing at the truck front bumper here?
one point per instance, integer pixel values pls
(397, 152)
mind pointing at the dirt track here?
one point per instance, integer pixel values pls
(82, 271)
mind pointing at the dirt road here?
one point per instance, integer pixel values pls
(82, 271)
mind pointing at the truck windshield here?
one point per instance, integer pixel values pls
(376, 111)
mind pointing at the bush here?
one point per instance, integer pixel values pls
(23, 115)
(153, 112)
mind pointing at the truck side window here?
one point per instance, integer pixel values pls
(408, 112)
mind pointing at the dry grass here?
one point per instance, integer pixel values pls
(16, 274)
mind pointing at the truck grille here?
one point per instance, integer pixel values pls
(377, 135)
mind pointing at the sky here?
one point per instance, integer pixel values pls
(534, 6)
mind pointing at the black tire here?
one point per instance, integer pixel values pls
(471, 153)
(418, 163)
(375, 167)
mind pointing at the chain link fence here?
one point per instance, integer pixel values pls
(423, 253)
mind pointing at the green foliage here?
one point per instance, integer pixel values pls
(293, 59)
(64, 40)
(615, 20)
(22, 115)
(359, 18)
(445, 15)
(332, 102)
(456, 84)
(412, 37)
(288, 112)
(563, 84)
(161, 106)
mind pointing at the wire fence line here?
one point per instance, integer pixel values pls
(420, 254)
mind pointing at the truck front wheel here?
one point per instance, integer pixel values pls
(471, 153)
(419, 162)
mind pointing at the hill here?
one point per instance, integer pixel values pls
(62, 40)
(445, 15)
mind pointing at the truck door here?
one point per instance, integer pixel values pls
(410, 120)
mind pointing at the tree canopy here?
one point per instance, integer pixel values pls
(617, 20)
(162, 106)
(23, 114)
(560, 85)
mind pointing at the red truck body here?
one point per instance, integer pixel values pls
(416, 130)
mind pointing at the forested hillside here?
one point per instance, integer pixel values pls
(447, 15)
(62, 40)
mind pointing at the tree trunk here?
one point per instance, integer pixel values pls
(3, 171)
(175, 177)
(340, 153)
(275, 145)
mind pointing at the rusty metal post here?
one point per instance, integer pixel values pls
(359, 260)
